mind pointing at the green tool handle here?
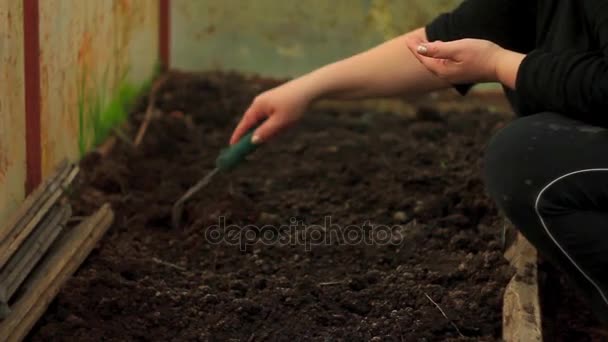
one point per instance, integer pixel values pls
(232, 156)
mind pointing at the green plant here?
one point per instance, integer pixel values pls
(99, 113)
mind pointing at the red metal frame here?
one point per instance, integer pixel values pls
(31, 63)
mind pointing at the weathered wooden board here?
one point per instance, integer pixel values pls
(63, 260)
(20, 216)
(30, 253)
(49, 196)
(521, 305)
(12, 108)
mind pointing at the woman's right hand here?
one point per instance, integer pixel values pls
(282, 106)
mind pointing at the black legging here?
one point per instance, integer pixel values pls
(549, 175)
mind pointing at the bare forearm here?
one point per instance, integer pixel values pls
(387, 70)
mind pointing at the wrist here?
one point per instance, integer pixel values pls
(310, 86)
(507, 67)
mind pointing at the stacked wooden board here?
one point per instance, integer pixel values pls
(521, 302)
(39, 251)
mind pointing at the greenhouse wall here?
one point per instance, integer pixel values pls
(287, 38)
(71, 68)
(95, 56)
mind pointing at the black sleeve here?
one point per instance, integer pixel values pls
(566, 82)
(570, 82)
(508, 23)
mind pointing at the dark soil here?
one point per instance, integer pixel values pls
(566, 317)
(416, 175)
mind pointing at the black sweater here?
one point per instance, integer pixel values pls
(566, 43)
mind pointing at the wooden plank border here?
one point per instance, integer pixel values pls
(45, 282)
(521, 314)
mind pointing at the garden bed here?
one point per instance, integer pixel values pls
(413, 174)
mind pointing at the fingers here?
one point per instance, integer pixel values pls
(436, 66)
(438, 57)
(430, 63)
(440, 50)
(413, 42)
(252, 116)
(269, 129)
(413, 46)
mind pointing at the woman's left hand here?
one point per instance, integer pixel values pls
(468, 61)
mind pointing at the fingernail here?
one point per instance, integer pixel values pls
(255, 139)
(422, 49)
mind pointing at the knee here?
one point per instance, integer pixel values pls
(508, 166)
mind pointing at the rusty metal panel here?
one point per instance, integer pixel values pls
(12, 117)
(94, 56)
(139, 22)
(287, 38)
(75, 44)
